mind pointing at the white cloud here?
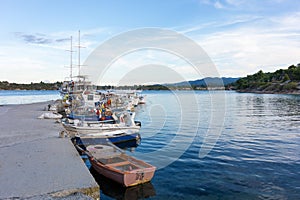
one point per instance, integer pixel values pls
(235, 2)
(247, 5)
(222, 4)
(26, 64)
(137, 63)
(238, 46)
(218, 5)
(254, 47)
(34, 57)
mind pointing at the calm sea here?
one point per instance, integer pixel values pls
(210, 145)
(250, 147)
(27, 96)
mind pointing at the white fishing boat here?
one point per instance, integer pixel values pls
(78, 127)
(142, 99)
(135, 101)
(115, 137)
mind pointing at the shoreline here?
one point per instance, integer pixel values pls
(32, 103)
(294, 92)
(35, 162)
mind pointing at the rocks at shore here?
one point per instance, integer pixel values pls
(275, 88)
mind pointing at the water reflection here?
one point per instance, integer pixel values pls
(129, 145)
(275, 112)
(109, 188)
(256, 156)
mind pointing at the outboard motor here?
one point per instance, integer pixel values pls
(138, 123)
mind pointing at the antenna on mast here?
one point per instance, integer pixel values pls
(71, 62)
(71, 58)
(79, 65)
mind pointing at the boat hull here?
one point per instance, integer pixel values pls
(85, 130)
(114, 164)
(117, 137)
(127, 179)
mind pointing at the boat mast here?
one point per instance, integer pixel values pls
(71, 58)
(79, 47)
(71, 63)
(79, 53)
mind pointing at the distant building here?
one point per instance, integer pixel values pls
(216, 88)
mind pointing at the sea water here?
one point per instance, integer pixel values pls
(251, 145)
(209, 145)
(27, 96)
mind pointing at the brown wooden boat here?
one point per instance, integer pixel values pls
(112, 163)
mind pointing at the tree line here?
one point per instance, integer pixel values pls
(280, 80)
(5, 85)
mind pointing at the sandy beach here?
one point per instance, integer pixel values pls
(34, 162)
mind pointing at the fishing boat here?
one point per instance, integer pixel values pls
(115, 137)
(113, 163)
(91, 114)
(78, 127)
(142, 100)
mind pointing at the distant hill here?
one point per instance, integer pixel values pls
(206, 82)
(200, 84)
(280, 81)
(4, 85)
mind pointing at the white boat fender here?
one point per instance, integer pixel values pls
(122, 119)
(115, 117)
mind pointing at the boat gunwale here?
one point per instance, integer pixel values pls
(106, 169)
(146, 168)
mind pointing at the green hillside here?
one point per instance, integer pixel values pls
(280, 81)
(4, 85)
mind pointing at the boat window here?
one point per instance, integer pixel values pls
(90, 97)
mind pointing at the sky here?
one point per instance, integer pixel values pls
(240, 37)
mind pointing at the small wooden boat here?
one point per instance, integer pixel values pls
(114, 164)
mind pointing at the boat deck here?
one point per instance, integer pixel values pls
(113, 158)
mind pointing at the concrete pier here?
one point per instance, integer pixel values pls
(35, 163)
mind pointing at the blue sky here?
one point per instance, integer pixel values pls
(240, 36)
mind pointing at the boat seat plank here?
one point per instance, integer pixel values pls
(119, 164)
